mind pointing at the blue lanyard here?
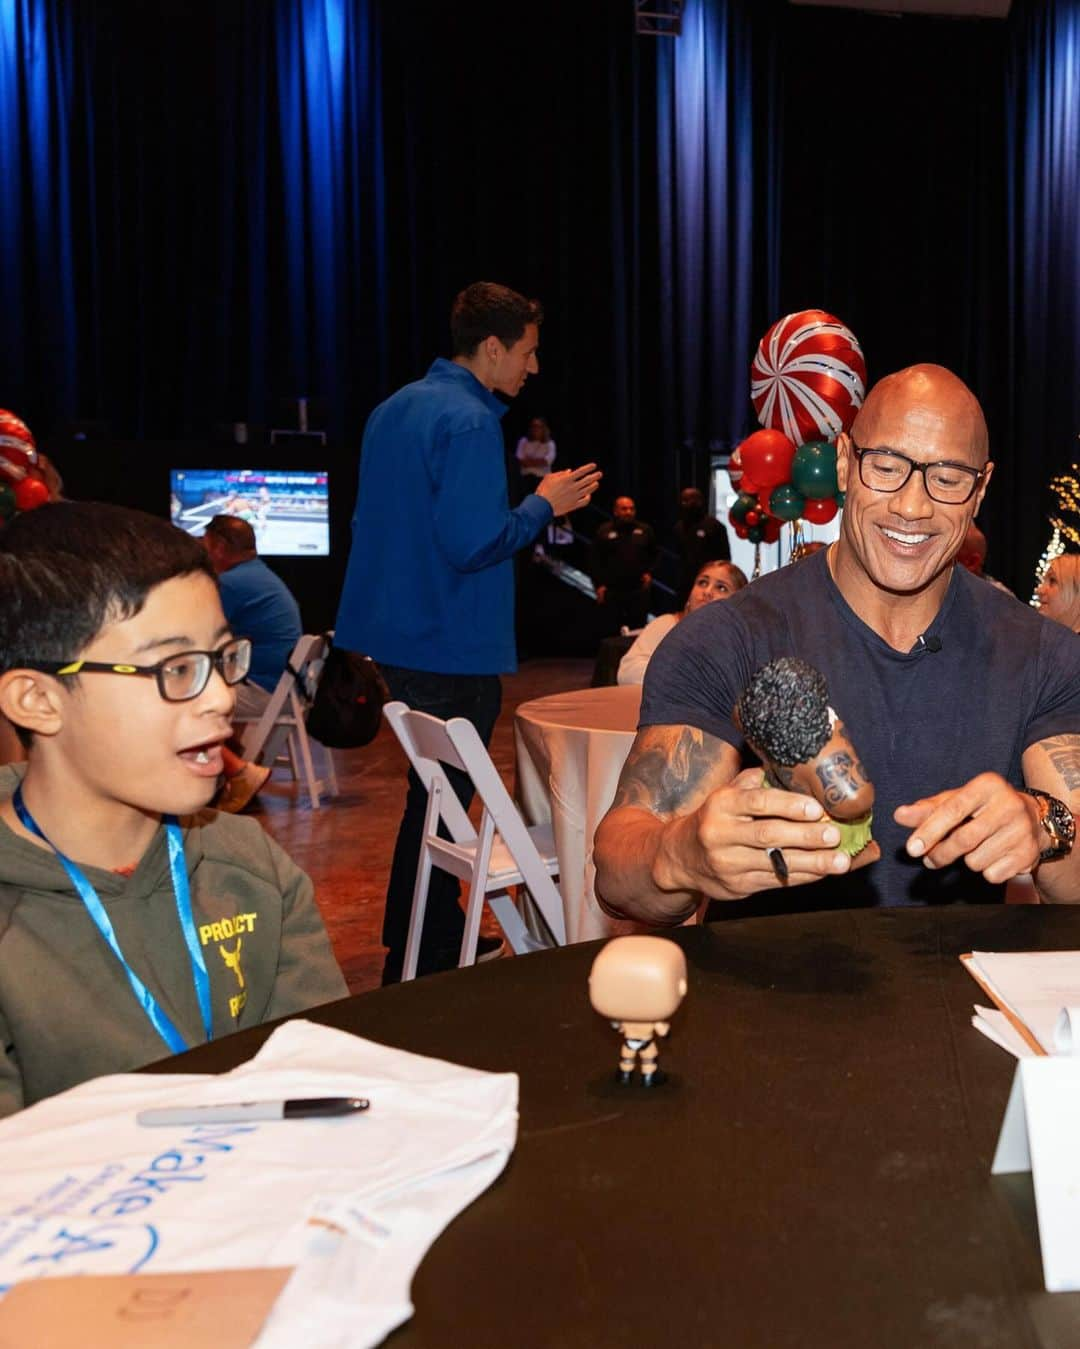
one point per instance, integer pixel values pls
(96, 909)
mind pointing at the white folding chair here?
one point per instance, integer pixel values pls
(279, 731)
(504, 852)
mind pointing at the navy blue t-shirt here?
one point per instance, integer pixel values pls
(1001, 679)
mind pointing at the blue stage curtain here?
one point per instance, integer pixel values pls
(38, 142)
(326, 70)
(716, 137)
(296, 234)
(193, 229)
(1044, 202)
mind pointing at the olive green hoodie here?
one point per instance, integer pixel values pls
(67, 1011)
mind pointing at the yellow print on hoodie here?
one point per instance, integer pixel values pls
(231, 929)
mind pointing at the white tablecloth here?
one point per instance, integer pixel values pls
(570, 749)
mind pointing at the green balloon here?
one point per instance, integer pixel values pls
(7, 502)
(813, 470)
(743, 502)
(785, 503)
(756, 533)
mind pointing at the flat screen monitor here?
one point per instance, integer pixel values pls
(288, 508)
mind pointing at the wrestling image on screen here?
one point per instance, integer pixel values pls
(287, 508)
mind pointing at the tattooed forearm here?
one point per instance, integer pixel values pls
(666, 768)
(1063, 751)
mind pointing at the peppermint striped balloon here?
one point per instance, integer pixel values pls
(808, 377)
(17, 447)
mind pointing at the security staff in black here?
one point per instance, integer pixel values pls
(623, 557)
(699, 538)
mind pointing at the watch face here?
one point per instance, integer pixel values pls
(1064, 823)
(1060, 825)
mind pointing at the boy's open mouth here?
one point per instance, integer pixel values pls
(204, 759)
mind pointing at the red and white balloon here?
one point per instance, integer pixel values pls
(808, 378)
(18, 450)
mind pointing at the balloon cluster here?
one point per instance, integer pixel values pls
(807, 383)
(21, 489)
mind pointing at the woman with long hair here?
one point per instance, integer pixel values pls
(715, 581)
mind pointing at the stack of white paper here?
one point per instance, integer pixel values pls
(354, 1203)
(1033, 991)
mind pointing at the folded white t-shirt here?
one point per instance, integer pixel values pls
(353, 1202)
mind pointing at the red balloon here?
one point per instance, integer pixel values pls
(808, 376)
(740, 530)
(30, 493)
(820, 512)
(763, 500)
(766, 458)
(749, 486)
(772, 529)
(752, 518)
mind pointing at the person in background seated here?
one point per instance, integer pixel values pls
(1058, 592)
(715, 581)
(621, 566)
(699, 538)
(535, 452)
(260, 606)
(133, 922)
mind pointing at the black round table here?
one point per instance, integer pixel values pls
(816, 1172)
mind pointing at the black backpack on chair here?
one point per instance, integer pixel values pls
(347, 708)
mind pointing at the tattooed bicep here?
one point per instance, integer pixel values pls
(1053, 764)
(671, 769)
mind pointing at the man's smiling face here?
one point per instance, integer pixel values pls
(903, 540)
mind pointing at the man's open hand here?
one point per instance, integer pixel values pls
(987, 822)
(570, 489)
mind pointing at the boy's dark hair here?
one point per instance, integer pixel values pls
(70, 567)
(485, 309)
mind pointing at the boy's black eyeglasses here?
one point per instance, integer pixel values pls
(888, 470)
(179, 678)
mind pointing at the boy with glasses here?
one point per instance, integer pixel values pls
(132, 922)
(965, 709)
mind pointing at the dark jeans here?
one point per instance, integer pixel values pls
(478, 699)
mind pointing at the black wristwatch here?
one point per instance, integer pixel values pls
(1058, 821)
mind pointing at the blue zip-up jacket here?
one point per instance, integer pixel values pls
(430, 580)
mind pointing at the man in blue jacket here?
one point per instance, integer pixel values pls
(429, 588)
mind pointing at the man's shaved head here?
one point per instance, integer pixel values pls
(919, 401)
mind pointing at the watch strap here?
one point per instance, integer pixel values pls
(1058, 821)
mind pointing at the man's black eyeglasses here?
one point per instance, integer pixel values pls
(179, 678)
(949, 483)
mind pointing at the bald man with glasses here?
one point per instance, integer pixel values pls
(965, 711)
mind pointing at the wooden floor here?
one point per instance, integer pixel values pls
(346, 845)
